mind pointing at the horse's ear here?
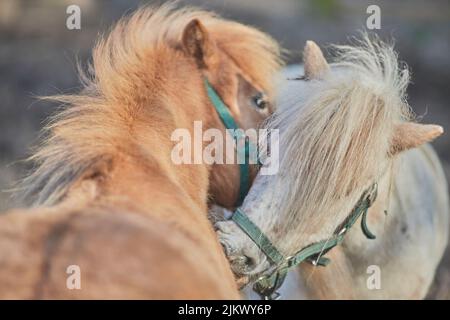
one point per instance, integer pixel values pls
(410, 135)
(315, 64)
(196, 42)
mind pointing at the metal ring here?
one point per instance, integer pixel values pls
(261, 278)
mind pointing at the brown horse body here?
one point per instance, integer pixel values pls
(108, 197)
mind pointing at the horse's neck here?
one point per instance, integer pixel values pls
(177, 235)
(154, 184)
(379, 216)
(175, 195)
(159, 188)
(142, 173)
(173, 198)
(411, 234)
(411, 195)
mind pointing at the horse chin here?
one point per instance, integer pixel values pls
(243, 255)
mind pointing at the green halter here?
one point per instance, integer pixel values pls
(229, 123)
(267, 285)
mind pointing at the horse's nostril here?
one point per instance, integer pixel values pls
(243, 264)
(250, 262)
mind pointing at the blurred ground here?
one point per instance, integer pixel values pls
(37, 54)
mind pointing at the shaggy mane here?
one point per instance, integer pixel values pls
(130, 69)
(335, 135)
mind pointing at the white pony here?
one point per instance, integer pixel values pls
(345, 127)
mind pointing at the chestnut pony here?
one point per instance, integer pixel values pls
(107, 197)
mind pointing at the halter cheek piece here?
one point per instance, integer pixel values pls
(229, 123)
(267, 285)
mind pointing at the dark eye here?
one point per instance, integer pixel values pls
(260, 101)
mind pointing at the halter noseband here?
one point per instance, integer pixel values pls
(267, 285)
(229, 123)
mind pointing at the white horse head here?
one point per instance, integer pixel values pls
(341, 127)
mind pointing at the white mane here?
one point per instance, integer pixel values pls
(335, 135)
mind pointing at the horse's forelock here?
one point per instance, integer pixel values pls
(336, 137)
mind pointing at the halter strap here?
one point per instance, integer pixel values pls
(257, 236)
(267, 285)
(229, 123)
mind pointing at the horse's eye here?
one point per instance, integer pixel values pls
(260, 101)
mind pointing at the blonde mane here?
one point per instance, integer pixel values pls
(136, 71)
(335, 135)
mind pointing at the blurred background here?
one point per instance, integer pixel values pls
(38, 53)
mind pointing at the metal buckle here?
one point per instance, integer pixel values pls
(267, 292)
(288, 260)
(274, 296)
